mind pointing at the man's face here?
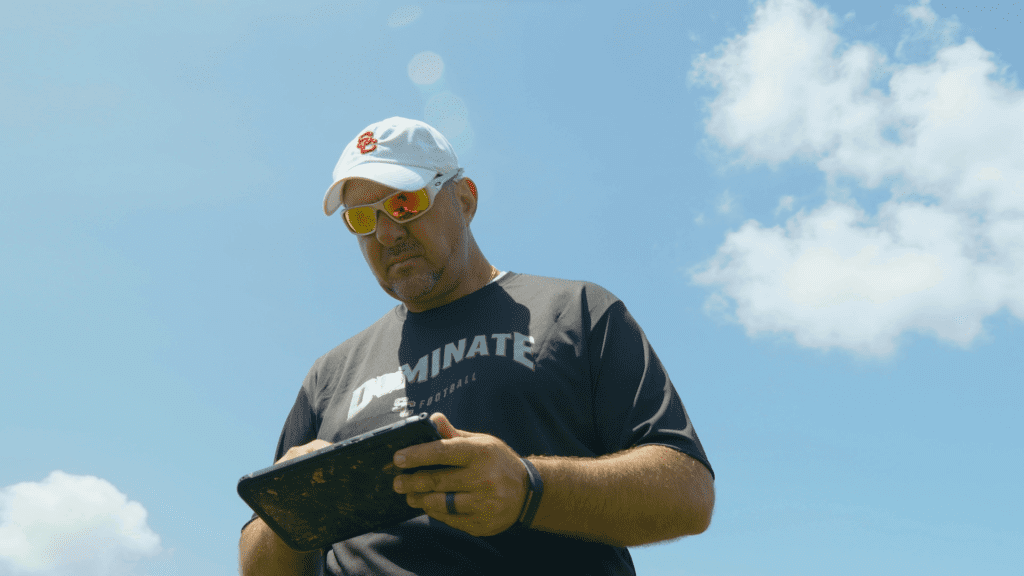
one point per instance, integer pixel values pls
(422, 262)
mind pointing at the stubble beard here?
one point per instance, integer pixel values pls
(409, 285)
(414, 286)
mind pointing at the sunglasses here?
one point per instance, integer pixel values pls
(402, 207)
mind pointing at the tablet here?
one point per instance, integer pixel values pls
(339, 491)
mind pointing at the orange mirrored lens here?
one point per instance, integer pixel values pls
(406, 205)
(361, 219)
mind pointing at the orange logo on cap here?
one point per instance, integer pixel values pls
(366, 143)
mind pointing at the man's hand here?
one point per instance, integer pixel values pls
(262, 552)
(296, 451)
(490, 483)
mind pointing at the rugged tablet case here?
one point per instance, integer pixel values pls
(340, 491)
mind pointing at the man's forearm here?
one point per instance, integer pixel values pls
(263, 553)
(640, 496)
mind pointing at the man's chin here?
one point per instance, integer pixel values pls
(413, 287)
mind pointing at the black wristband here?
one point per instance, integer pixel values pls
(532, 501)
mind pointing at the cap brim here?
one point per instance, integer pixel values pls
(391, 175)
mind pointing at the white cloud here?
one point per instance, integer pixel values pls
(70, 524)
(926, 28)
(944, 252)
(725, 203)
(785, 204)
(922, 12)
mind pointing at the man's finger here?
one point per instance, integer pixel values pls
(457, 480)
(445, 427)
(436, 504)
(453, 452)
(296, 451)
(470, 518)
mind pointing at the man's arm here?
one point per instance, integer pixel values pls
(639, 496)
(263, 553)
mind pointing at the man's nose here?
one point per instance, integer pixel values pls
(388, 231)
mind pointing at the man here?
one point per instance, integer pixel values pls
(569, 441)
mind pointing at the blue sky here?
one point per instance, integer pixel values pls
(815, 211)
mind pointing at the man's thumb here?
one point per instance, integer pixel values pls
(445, 427)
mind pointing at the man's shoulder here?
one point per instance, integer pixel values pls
(559, 293)
(559, 287)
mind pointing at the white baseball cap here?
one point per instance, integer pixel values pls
(399, 153)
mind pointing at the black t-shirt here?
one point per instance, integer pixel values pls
(551, 367)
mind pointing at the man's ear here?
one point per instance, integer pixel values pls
(466, 193)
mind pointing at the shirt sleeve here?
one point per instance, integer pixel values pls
(299, 428)
(634, 399)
